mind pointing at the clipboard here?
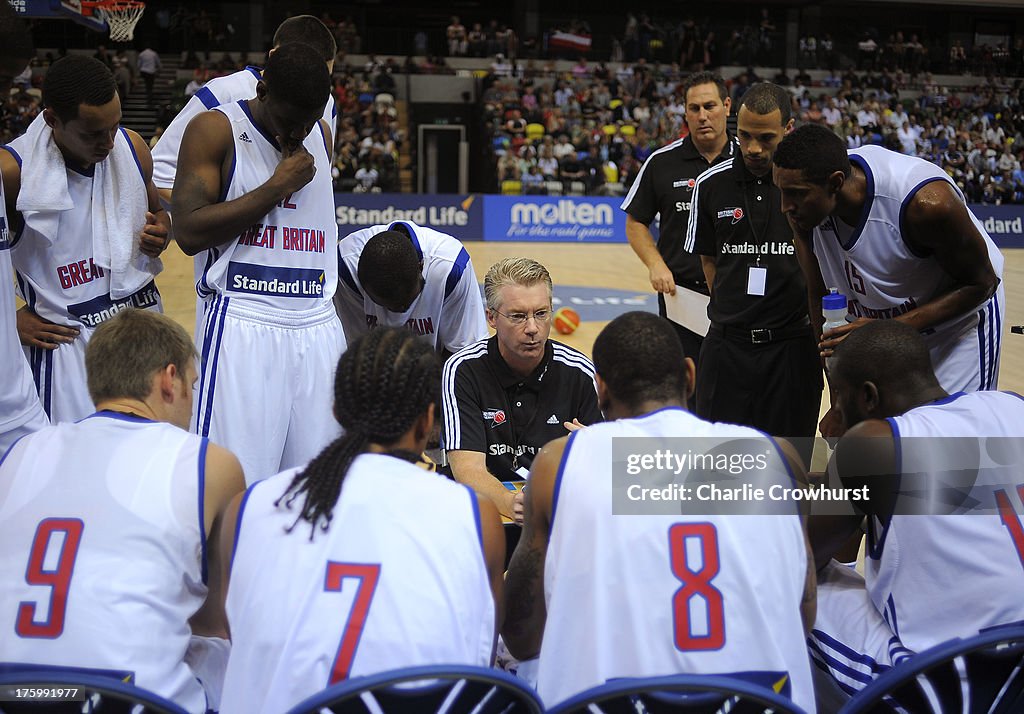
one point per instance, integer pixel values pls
(689, 309)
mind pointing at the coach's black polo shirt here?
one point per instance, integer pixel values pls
(490, 409)
(664, 187)
(737, 218)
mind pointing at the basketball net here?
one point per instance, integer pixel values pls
(121, 17)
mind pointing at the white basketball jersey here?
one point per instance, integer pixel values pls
(883, 278)
(287, 260)
(57, 275)
(220, 90)
(938, 577)
(450, 310)
(18, 397)
(398, 580)
(620, 602)
(103, 561)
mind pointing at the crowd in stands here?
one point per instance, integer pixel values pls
(589, 129)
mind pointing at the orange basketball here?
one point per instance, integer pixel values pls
(566, 320)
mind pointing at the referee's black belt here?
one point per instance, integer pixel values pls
(761, 336)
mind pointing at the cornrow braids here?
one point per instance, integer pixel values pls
(385, 380)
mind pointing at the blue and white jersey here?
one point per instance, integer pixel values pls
(103, 559)
(449, 311)
(18, 397)
(654, 594)
(56, 275)
(287, 261)
(397, 580)
(884, 278)
(935, 577)
(220, 90)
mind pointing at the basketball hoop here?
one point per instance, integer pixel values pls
(121, 16)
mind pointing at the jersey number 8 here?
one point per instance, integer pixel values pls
(696, 585)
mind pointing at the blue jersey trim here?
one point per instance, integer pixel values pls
(257, 72)
(238, 523)
(203, 558)
(475, 505)
(208, 98)
(15, 154)
(866, 210)
(455, 274)
(849, 653)
(412, 236)
(244, 104)
(876, 543)
(11, 448)
(346, 275)
(231, 174)
(558, 481)
(120, 416)
(904, 205)
(135, 155)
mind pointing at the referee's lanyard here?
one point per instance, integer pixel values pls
(757, 276)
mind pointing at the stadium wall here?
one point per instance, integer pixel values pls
(570, 219)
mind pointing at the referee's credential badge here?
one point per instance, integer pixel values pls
(495, 416)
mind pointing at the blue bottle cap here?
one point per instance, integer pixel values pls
(833, 301)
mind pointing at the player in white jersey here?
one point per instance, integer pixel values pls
(256, 207)
(235, 87)
(945, 541)
(109, 525)
(894, 234)
(67, 293)
(405, 274)
(20, 411)
(604, 595)
(361, 562)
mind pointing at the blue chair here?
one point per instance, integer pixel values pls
(422, 690)
(694, 694)
(984, 673)
(106, 694)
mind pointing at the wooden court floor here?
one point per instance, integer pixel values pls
(603, 265)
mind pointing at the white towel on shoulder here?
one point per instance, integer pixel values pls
(119, 204)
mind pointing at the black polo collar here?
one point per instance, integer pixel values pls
(507, 378)
(689, 150)
(743, 175)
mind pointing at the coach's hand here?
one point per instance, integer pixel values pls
(831, 338)
(156, 234)
(662, 279)
(35, 331)
(296, 168)
(515, 507)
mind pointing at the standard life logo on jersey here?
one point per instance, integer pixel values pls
(272, 280)
(544, 218)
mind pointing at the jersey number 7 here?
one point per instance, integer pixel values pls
(696, 584)
(57, 577)
(367, 576)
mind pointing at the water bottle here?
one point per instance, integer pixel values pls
(833, 307)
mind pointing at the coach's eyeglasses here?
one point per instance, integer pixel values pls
(519, 318)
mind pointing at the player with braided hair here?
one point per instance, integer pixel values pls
(388, 542)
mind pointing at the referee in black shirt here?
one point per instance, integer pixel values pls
(664, 188)
(758, 365)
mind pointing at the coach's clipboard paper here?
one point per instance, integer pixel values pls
(689, 309)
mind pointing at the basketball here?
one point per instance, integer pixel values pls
(566, 320)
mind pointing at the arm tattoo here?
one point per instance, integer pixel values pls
(527, 586)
